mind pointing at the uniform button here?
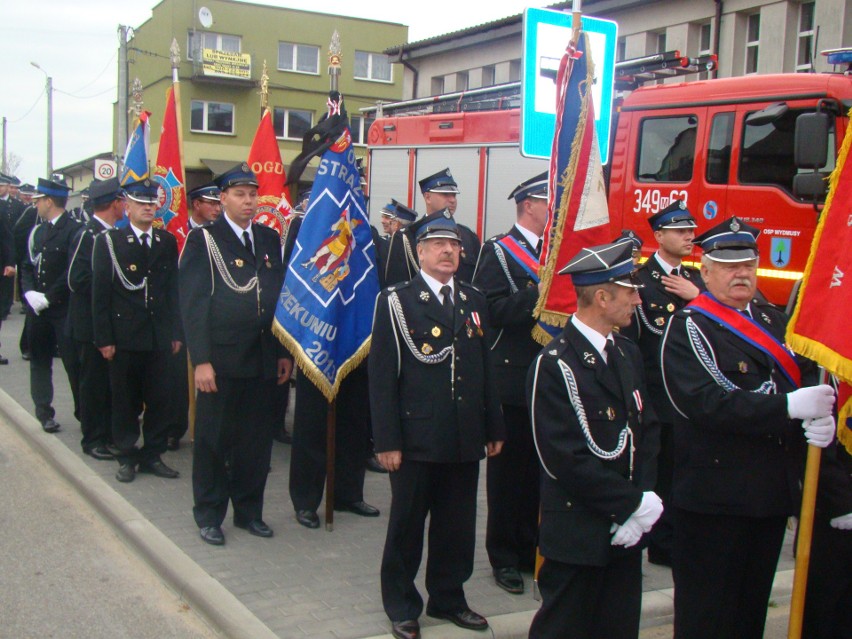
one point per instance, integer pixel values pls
(459, 378)
(568, 503)
(460, 398)
(715, 461)
(505, 361)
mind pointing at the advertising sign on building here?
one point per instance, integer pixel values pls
(226, 64)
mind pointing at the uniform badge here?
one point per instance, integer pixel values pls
(426, 349)
(462, 296)
(743, 367)
(436, 332)
(552, 351)
(132, 267)
(765, 318)
(468, 330)
(610, 413)
(589, 358)
(156, 238)
(686, 274)
(424, 295)
(670, 307)
(268, 264)
(239, 263)
(655, 275)
(130, 239)
(660, 321)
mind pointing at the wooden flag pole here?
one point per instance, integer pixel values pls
(576, 21)
(264, 91)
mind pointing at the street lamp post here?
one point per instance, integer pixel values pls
(49, 91)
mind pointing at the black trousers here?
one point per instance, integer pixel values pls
(232, 450)
(179, 397)
(95, 397)
(660, 537)
(512, 479)
(723, 567)
(136, 381)
(308, 459)
(590, 602)
(44, 335)
(828, 605)
(7, 294)
(447, 493)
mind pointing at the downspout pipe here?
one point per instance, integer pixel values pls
(718, 35)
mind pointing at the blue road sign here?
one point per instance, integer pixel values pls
(546, 35)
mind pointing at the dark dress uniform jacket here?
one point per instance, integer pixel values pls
(511, 298)
(736, 452)
(138, 320)
(80, 321)
(49, 275)
(402, 264)
(230, 330)
(433, 412)
(581, 494)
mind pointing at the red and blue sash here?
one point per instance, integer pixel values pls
(747, 329)
(522, 255)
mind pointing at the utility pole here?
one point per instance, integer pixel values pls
(49, 90)
(4, 144)
(121, 142)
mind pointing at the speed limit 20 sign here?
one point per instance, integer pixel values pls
(105, 169)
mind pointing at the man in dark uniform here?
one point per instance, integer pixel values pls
(738, 396)
(10, 210)
(440, 192)
(432, 383)
(44, 282)
(507, 273)
(7, 262)
(95, 397)
(230, 277)
(597, 438)
(83, 213)
(669, 285)
(636, 244)
(21, 233)
(204, 204)
(136, 326)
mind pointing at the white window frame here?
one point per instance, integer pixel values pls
(295, 46)
(807, 36)
(363, 129)
(286, 124)
(207, 104)
(369, 77)
(704, 75)
(204, 34)
(752, 45)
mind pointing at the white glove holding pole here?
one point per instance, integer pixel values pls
(820, 432)
(844, 522)
(810, 402)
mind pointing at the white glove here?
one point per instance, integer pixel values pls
(844, 522)
(649, 511)
(812, 401)
(37, 301)
(820, 432)
(628, 534)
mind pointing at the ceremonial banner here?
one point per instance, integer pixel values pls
(135, 166)
(578, 215)
(325, 310)
(273, 194)
(168, 174)
(819, 328)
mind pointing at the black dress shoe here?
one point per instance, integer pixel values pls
(112, 448)
(126, 473)
(374, 466)
(308, 518)
(359, 508)
(257, 527)
(50, 425)
(3, 361)
(509, 579)
(173, 443)
(26, 356)
(408, 629)
(213, 535)
(99, 452)
(158, 468)
(466, 618)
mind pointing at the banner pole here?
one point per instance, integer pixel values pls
(330, 454)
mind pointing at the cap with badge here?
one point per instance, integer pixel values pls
(5, 180)
(607, 263)
(142, 191)
(674, 216)
(534, 187)
(239, 175)
(730, 241)
(405, 214)
(85, 194)
(209, 192)
(103, 192)
(303, 200)
(54, 187)
(389, 209)
(440, 182)
(439, 224)
(15, 181)
(629, 236)
(27, 189)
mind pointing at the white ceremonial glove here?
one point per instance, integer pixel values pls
(628, 534)
(820, 432)
(37, 301)
(844, 522)
(809, 402)
(649, 511)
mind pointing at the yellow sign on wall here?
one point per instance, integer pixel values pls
(226, 64)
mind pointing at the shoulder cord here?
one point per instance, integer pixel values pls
(216, 258)
(126, 283)
(708, 361)
(34, 260)
(654, 330)
(624, 437)
(409, 254)
(501, 258)
(399, 319)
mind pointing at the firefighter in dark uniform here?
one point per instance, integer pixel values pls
(507, 273)
(136, 327)
(395, 217)
(630, 236)
(669, 285)
(44, 282)
(738, 396)
(10, 210)
(107, 200)
(440, 192)
(230, 278)
(21, 230)
(597, 438)
(7, 261)
(432, 381)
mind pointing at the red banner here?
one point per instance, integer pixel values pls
(273, 195)
(168, 174)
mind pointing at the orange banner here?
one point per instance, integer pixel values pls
(265, 160)
(168, 174)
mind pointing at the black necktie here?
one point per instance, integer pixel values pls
(145, 245)
(675, 272)
(538, 247)
(247, 242)
(447, 293)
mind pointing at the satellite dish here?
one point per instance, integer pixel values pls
(205, 17)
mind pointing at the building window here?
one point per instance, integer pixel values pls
(667, 149)
(514, 71)
(438, 85)
(705, 45)
(621, 49)
(211, 117)
(462, 81)
(291, 124)
(300, 58)
(752, 43)
(360, 125)
(661, 43)
(804, 55)
(488, 74)
(372, 66)
(198, 40)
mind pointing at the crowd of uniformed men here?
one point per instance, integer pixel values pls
(667, 413)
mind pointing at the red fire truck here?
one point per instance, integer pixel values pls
(728, 147)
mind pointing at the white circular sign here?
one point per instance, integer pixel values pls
(205, 17)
